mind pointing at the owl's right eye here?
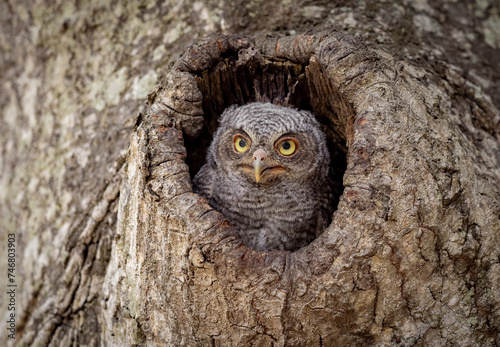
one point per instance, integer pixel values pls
(241, 144)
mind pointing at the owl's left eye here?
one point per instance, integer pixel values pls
(241, 143)
(287, 147)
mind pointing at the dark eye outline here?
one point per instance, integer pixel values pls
(249, 143)
(278, 144)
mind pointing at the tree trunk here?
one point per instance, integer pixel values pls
(113, 248)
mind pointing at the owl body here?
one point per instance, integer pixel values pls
(267, 173)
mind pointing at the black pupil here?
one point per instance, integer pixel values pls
(242, 143)
(286, 145)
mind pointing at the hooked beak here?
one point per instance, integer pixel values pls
(259, 164)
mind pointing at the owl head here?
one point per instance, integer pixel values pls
(262, 144)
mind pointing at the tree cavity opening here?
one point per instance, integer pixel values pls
(245, 76)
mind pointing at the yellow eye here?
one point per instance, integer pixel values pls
(241, 144)
(287, 147)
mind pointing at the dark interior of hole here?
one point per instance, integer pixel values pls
(279, 82)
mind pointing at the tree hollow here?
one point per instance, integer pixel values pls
(404, 218)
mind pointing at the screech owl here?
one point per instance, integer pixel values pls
(266, 171)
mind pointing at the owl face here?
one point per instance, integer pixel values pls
(263, 144)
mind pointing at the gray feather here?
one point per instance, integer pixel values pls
(291, 208)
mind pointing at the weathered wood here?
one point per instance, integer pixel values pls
(412, 255)
(406, 259)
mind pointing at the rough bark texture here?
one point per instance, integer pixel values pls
(115, 249)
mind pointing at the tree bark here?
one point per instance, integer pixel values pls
(113, 248)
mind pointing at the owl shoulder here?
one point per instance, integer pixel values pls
(203, 181)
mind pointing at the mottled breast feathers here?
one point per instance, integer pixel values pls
(267, 172)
